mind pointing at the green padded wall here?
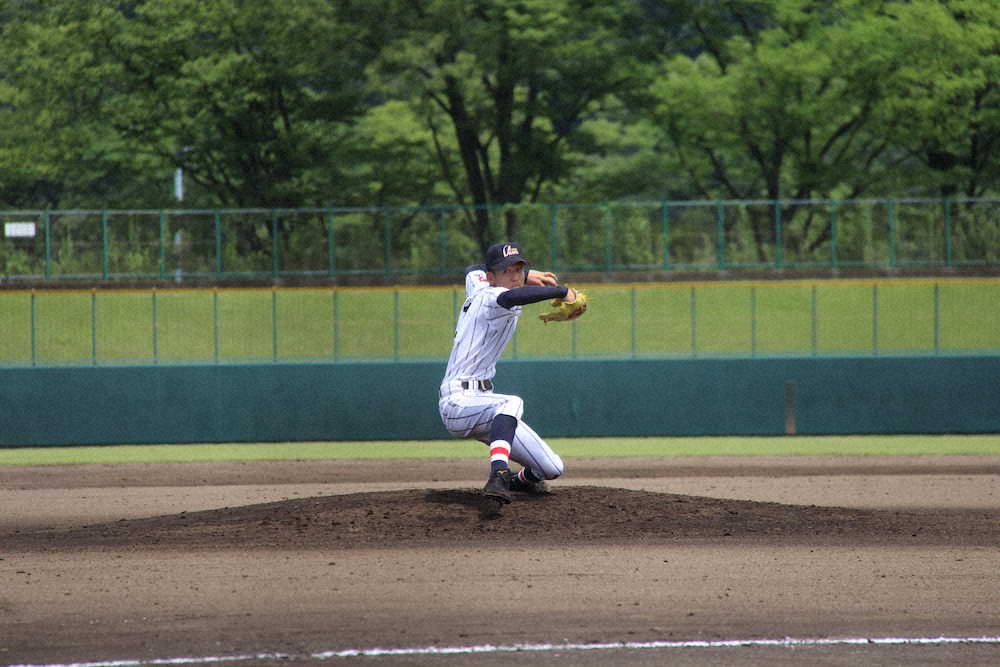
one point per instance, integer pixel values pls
(376, 401)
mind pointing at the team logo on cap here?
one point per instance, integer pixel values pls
(509, 250)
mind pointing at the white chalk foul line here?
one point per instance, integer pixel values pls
(722, 643)
(513, 648)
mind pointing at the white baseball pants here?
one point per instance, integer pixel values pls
(468, 413)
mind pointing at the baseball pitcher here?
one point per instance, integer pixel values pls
(495, 293)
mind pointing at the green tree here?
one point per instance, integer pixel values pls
(54, 143)
(254, 101)
(801, 108)
(503, 87)
(949, 112)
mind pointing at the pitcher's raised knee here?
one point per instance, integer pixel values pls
(513, 406)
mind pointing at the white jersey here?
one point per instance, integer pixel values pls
(484, 328)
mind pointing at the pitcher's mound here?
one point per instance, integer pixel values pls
(581, 514)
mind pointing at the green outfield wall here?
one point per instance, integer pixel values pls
(564, 398)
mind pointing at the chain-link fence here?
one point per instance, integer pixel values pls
(682, 320)
(726, 235)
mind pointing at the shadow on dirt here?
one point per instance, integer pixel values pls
(488, 508)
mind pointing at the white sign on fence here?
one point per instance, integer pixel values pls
(19, 229)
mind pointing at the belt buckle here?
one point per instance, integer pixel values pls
(481, 385)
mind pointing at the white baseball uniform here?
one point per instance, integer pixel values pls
(467, 401)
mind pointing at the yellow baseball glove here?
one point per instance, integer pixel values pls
(566, 310)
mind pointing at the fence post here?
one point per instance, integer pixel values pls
(892, 232)
(666, 236)
(163, 244)
(215, 321)
(778, 256)
(331, 248)
(104, 245)
(814, 335)
(218, 244)
(635, 333)
(156, 326)
(753, 320)
(608, 236)
(937, 318)
(395, 337)
(46, 218)
(720, 218)
(335, 294)
(875, 319)
(833, 232)
(387, 241)
(947, 233)
(275, 245)
(34, 328)
(93, 326)
(274, 323)
(694, 322)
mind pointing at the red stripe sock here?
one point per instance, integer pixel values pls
(499, 455)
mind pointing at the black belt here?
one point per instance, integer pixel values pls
(482, 385)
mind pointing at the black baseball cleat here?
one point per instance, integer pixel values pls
(522, 486)
(498, 486)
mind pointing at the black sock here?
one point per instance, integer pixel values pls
(502, 432)
(531, 476)
(503, 428)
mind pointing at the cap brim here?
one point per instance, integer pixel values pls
(507, 261)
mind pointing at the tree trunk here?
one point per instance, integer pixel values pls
(468, 145)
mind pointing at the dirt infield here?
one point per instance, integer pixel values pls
(304, 562)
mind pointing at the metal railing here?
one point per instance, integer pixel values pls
(615, 236)
(327, 324)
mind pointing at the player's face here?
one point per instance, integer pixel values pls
(510, 277)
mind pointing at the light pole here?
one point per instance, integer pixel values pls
(179, 174)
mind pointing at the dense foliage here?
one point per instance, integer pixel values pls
(375, 103)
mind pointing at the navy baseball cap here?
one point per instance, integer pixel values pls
(501, 255)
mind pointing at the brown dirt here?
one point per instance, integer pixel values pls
(159, 561)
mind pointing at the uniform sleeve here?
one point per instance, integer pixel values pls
(475, 279)
(522, 296)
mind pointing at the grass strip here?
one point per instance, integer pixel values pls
(854, 445)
